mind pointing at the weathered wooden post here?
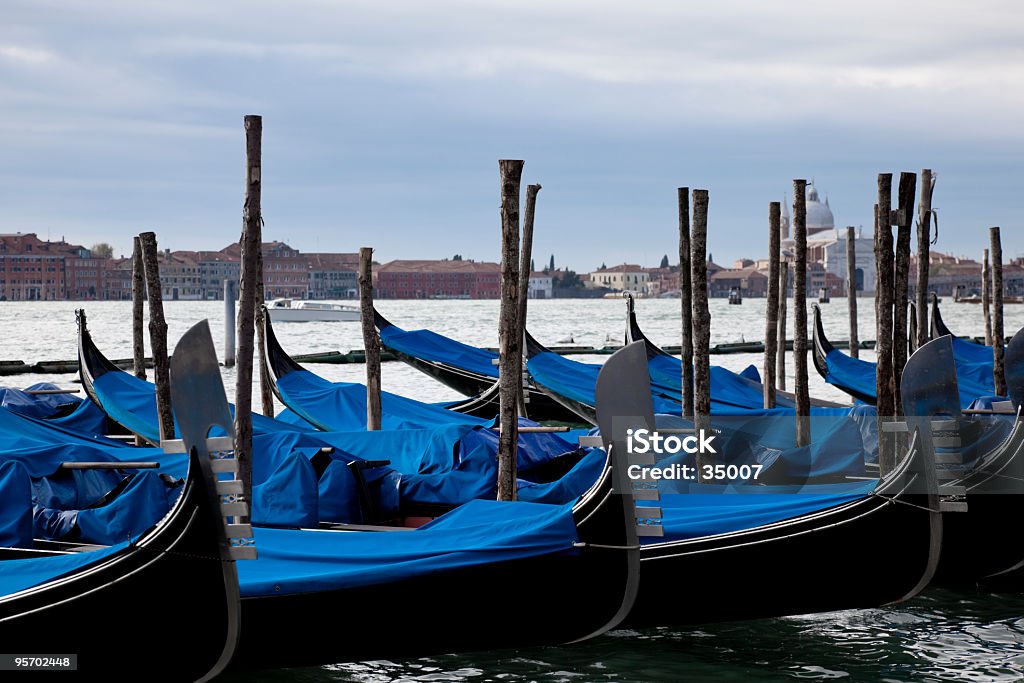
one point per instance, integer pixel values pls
(158, 335)
(904, 218)
(138, 295)
(510, 338)
(229, 323)
(771, 325)
(986, 296)
(686, 300)
(923, 254)
(851, 290)
(701, 323)
(526, 257)
(780, 361)
(250, 250)
(998, 335)
(803, 399)
(266, 394)
(371, 342)
(883, 319)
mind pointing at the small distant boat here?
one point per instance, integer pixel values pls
(290, 311)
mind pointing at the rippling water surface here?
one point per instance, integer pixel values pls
(941, 635)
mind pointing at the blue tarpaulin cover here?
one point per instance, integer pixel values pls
(15, 506)
(440, 349)
(131, 402)
(577, 381)
(973, 372)
(341, 406)
(479, 532)
(706, 510)
(35, 405)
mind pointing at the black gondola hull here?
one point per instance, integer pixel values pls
(860, 555)
(552, 599)
(166, 608)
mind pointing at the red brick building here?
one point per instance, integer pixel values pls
(447, 279)
(34, 270)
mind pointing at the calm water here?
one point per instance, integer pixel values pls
(941, 635)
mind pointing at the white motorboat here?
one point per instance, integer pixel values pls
(291, 311)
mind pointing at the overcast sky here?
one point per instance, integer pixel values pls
(384, 121)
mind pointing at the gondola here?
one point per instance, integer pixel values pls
(577, 563)
(437, 459)
(284, 372)
(880, 547)
(991, 485)
(469, 370)
(968, 350)
(572, 571)
(974, 546)
(743, 390)
(166, 602)
(856, 377)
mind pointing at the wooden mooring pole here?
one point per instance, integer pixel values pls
(266, 393)
(158, 335)
(780, 361)
(510, 338)
(686, 300)
(251, 243)
(771, 325)
(138, 296)
(924, 218)
(525, 258)
(901, 286)
(851, 290)
(701, 323)
(986, 296)
(229, 323)
(885, 400)
(803, 399)
(371, 342)
(998, 335)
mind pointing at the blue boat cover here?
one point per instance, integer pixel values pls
(86, 418)
(289, 496)
(145, 502)
(440, 349)
(707, 510)
(131, 402)
(742, 390)
(341, 406)
(35, 405)
(481, 532)
(17, 575)
(577, 381)
(15, 506)
(974, 377)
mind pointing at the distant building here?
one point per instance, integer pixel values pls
(826, 248)
(433, 279)
(179, 276)
(541, 286)
(333, 276)
(622, 278)
(33, 270)
(214, 268)
(748, 281)
(285, 272)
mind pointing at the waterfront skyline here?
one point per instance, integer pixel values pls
(383, 125)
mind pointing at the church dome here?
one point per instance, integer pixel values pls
(819, 215)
